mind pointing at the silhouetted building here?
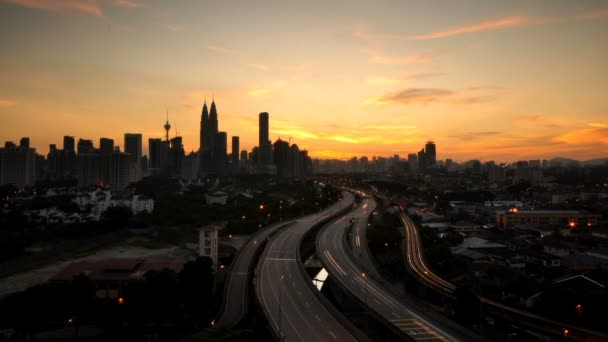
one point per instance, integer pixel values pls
(235, 154)
(220, 155)
(265, 153)
(421, 159)
(176, 157)
(412, 161)
(85, 146)
(18, 164)
(281, 156)
(89, 169)
(133, 146)
(190, 166)
(120, 170)
(154, 148)
(430, 154)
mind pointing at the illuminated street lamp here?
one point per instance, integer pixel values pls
(572, 224)
(280, 300)
(566, 332)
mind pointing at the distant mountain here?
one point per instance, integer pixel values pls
(568, 161)
(598, 161)
(563, 161)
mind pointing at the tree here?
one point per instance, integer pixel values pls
(117, 216)
(196, 285)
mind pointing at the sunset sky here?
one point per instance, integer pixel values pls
(489, 80)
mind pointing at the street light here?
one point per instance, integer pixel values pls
(280, 300)
(566, 332)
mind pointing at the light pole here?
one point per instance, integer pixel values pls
(280, 300)
(281, 211)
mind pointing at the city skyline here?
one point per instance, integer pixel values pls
(500, 81)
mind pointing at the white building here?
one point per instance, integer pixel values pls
(208, 242)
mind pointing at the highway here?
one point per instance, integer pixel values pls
(284, 291)
(332, 249)
(235, 295)
(358, 238)
(415, 257)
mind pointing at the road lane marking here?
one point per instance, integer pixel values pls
(332, 335)
(281, 259)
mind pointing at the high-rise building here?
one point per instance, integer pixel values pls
(235, 153)
(85, 146)
(89, 169)
(106, 147)
(69, 144)
(133, 146)
(412, 161)
(189, 170)
(208, 243)
(281, 156)
(18, 164)
(265, 146)
(154, 145)
(422, 159)
(120, 170)
(430, 154)
(176, 157)
(221, 153)
(209, 161)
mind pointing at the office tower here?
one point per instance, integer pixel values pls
(189, 170)
(120, 170)
(154, 145)
(133, 146)
(496, 173)
(295, 165)
(412, 161)
(18, 164)
(264, 145)
(422, 159)
(235, 153)
(281, 153)
(89, 169)
(244, 155)
(430, 154)
(68, 144)
(204, 152)
(176, 157)
(24, 142)
(220, 154)
(208, 159)
(106, 145)
(263, 129)
(85, 146)
(145, 164)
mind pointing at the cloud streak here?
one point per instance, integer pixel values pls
(86, 7)
(489, 25)
(127, 3)
(7, 103)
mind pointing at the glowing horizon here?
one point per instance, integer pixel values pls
(485, 80)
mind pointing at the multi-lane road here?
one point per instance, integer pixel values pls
(342, 266)
(236, 293)
(294, 311)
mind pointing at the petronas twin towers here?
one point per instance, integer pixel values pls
(213, 144)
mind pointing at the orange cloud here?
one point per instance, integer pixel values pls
(127, 3)
(411, 59)
(483, 26)
(394, 80)
(87, 7)
(586, 136)
(259, 91)
(7, 103)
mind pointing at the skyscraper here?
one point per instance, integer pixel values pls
(85, 146)
(133, 146)
(18, 164)
(430, 154)
(154, 148)
(264, 144)
(235, 153)
(220, 154)
(208, 158)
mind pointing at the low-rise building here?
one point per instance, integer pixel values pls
(565, 218)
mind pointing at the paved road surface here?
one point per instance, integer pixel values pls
(235, 298)
(340, 263)
(292, 309)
